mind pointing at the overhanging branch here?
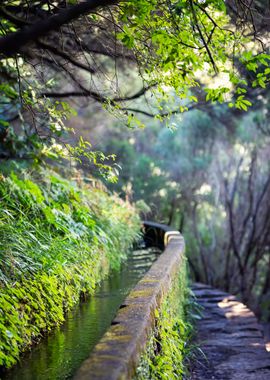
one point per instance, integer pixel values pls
(66, 57)
(15, 42)
(164, 114)
(98, 97)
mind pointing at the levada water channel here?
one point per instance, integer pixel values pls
(60, 354)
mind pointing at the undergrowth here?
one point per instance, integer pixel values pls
(58, 239)
(169, 349)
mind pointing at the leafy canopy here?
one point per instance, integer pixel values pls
(174, 46)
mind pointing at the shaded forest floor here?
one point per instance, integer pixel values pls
(230, 338)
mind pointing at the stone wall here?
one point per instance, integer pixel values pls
(118, 353)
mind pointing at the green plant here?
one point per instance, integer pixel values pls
(58, 239)
(169, 347)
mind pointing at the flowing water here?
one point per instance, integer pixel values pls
(60, 354)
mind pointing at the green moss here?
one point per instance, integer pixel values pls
(58, 237)
(141, 293)
(167, 349)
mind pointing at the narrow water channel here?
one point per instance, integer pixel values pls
(59, 355)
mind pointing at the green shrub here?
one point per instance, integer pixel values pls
(58, 239)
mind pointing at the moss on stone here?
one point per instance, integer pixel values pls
(144, 293)
(164, 356)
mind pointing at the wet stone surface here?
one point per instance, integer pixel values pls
(230, 338)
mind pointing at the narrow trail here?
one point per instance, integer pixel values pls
(231, 339)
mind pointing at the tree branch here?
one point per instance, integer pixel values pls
(17, 41)
(66, 56)
(19, 22)
(98, 97)
(163, 114)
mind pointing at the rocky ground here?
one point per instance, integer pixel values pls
(230, 338)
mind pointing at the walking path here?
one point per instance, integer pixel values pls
(231, 339)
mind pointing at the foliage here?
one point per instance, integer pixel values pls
(161, 166)
(171, 46)
(58, 239)
(32, 128)
(231, 224)
(209, 177)
(170, 347)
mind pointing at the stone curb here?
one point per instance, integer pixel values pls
(117, 354)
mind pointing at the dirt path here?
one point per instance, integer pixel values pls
(230, 338)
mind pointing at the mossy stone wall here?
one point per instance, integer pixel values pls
(118, 354)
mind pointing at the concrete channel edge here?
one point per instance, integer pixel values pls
(117, 354)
